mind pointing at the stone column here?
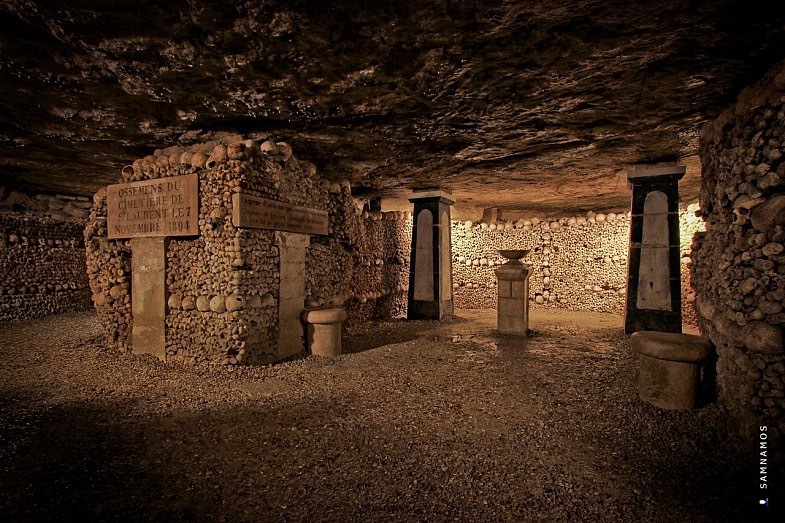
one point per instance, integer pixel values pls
(513, 306)
(148, 296)
(430, 273)
(291, 298)
(654, 273)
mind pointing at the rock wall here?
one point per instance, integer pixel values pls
(739, 262)
(42, 266)
(578, 263)
(57, 206)
(223, 286)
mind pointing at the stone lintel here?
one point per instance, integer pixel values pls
(436, 194)
(655, 173)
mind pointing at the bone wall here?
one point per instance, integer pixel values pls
(578, 263)
(223, 287)
(364, 266)
(739, 262)
(42, 266)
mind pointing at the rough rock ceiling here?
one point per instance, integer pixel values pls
(524, 104)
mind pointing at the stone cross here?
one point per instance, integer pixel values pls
(149, 212)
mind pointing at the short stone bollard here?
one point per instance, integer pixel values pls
(670, 367)
(323, 334)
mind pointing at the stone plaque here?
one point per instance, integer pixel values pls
(259, 213)
(654, 289)
(424, 289)
(161, 207)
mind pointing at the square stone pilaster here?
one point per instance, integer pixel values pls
(148, 296)
(430, 272)
(291, 301)
(654, 271)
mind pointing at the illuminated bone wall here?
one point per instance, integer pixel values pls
(578, 262)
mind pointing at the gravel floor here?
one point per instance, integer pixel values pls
(438, 422)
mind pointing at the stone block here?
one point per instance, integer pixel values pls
(670, 368)
(490, 215)
(324, 331)
(668, 384)
(290, 329)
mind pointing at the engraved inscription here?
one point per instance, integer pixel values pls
(260, 213)
(161, 207)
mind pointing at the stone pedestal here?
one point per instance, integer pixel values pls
(324, 331)
(670, 368)
(654, 272)
(513, 306)
(148, 296)
(430, 276)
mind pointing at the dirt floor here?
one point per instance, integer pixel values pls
(437, 422)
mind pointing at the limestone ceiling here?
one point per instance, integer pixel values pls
(531, 104)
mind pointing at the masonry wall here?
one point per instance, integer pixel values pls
(223, 286)
(42, 266)
(739, 262)
(578, 263)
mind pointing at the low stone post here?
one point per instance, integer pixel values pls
(323, 334)
(513, 306)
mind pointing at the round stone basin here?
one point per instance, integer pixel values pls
(514, 254)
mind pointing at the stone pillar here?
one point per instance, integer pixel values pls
(148, 296)
(513, 306)
(430, 273)
(654, 273)
(291, 298)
